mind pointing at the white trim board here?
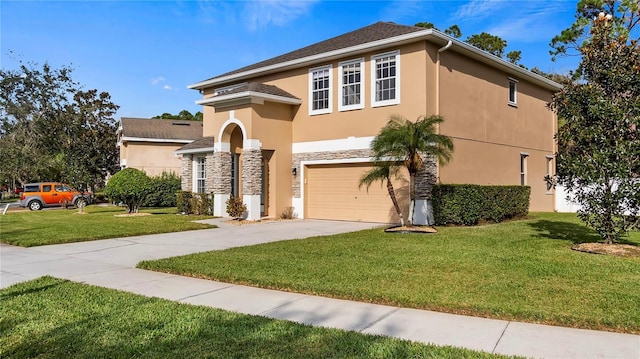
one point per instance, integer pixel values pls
(344, 144)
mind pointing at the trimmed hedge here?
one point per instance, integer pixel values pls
(468, 204)
(163, 190)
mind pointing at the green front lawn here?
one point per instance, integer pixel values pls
(521, 270)
(53, 318)
(37, 228)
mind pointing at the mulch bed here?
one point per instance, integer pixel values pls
(139, 214)
(411, 229)
(620, 250)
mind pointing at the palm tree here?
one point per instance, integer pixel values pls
(382, 171)
(406, 141)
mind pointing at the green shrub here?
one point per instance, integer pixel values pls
(469, 204)
(183, 202)
(194, 203)
(163, 190)
(202, 204)
(129, 186)
(235, 207)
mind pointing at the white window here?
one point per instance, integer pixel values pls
(320, 90)
(351, 90)
(513, 92)
(200, 174)
(523, 168)
(385, 84)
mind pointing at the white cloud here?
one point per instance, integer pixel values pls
(530, 21)
(157, 80)
(399, 10)
(478, 9)
(166, 87)
(261, 13)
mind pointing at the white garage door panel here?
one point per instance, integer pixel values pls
(331, 192)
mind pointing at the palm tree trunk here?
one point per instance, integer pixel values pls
(412, 197)
(392, 194)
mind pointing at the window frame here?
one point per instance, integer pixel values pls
(513, 92)
(342, 85)
(374, 79)
(200, 174)
(329, 108)
(523, 168)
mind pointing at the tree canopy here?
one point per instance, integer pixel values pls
(182, 115)
(129, 186)
(599, 140)
(52, 129)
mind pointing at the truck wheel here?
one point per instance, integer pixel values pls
(35, 205)
(81, 202)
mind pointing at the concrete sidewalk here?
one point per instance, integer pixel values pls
(111, 263)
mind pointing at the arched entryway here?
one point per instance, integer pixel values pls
(239, 169)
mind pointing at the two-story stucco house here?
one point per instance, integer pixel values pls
(149, 144)
(295, 130)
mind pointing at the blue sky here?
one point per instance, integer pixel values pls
(145, 53)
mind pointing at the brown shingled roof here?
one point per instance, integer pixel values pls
(261, 88)
(378, 31)
(203, 143)
(155, 128)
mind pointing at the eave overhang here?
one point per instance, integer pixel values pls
(246, 97)
(194, 150)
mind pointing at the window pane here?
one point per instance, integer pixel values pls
(385, 78)
(320, 86)
(350, 84)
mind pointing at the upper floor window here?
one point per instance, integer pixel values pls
(351, 92)
(385, 79)
(513, 92)
(320, 90)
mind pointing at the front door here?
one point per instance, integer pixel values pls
(264, 187)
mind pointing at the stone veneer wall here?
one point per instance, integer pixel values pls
(252, 172)
(210, 173)
(221, 172)
(425, 179)
(186, 173)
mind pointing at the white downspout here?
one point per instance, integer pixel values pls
(440, 50)
(427, 209)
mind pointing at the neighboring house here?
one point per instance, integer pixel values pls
(295, 130)
(149, 144)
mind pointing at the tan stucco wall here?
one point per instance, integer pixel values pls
(153, 158)
(489, 134)
(472, 97)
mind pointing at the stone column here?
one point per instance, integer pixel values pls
(221, 181)
(252, 181)
(186, 173)
(425, 179)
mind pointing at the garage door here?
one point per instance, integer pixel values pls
(331, 192)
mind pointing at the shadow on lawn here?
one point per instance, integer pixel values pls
(566, 231)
